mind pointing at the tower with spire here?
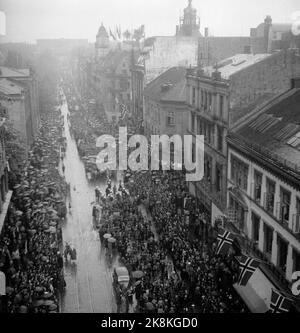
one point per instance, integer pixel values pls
(189, 24)
(102, 43)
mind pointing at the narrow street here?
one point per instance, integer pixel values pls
(89, 280)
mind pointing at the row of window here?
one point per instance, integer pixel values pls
(237, 215)
(282, 245)
(239, 175)
(208, 130)
(205, 101)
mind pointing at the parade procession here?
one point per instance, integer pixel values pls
(151, 175)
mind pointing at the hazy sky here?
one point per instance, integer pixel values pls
(27, 20)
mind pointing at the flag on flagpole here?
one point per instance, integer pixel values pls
(247, 267)
(279, 303)
(112, 35)
(224, 241)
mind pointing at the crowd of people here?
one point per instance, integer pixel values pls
(161, 231)
(31, 234)
(86, 125)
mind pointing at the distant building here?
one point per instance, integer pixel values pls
(220, 97)
(102, 45)
(189, 24)
(112, 82)
(264, 189)
(165, 110)
(26, 80)
(269, 36)
(5, 194)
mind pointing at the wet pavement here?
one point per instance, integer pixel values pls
(89, 279)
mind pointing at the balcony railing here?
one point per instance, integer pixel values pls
(251, 248)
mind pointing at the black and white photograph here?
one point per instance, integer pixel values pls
(149, 159)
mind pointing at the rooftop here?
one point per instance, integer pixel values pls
(169, 86)
(277, 130)
(235, 64)
(13, 72)
(8, 87)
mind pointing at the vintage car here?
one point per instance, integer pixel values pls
(121, 277)
(120, 283)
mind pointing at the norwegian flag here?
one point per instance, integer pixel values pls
(247, 267)
(123, 111)
(279, 303)
(224, 242)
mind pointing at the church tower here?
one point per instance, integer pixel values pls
(189, 24)
(102, 43)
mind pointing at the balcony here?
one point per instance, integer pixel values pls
(250, 247)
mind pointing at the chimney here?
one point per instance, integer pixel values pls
(206, 32)
(216, 74)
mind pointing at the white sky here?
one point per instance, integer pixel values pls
(27, 20)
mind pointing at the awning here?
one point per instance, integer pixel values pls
(254, 303)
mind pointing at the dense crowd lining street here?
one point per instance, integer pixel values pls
(134, 213)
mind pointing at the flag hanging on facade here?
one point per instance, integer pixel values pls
(123, 110)
(279, 303)
(247, 267)
(224, 242)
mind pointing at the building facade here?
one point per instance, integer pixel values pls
(165, 112)
(112, 82)
(222, 96)
(263, 191)
(25, 81)
(5, 193)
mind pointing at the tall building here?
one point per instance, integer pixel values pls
(264, 191)
(112, 82)
(102, 45)
(221, 97)
(189, 24)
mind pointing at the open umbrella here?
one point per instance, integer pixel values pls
(137, 274)
(107, 236)
(111, 240)
(52, 307)
(38, 302)
(23, 309)
(150, 306)
(52, 230)
(47, 295)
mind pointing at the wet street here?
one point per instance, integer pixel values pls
(89, 280)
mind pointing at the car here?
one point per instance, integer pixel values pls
(121, 277)
(120, 283)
